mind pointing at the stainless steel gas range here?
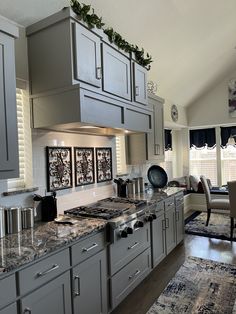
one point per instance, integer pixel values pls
(124, 215)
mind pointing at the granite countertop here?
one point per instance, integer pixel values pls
(28, 245)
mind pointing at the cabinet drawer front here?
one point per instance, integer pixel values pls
(116, 73)
(87, 247)
(129, 277)
(7, 290)
(138, 121)
(43, 271)
(126, 249)
(179, 199)
(169, 203)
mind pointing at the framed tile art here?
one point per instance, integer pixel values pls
(84, 165)
(104, 164)
(59, 168)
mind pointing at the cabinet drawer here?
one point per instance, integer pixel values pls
(126, 249)
(179, 199)
(87, 247)
(129, 277)
(11, 309)
(169, 203)
(7, 290)
(43, 271)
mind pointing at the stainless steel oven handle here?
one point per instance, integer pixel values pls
(133, 246)
(90, 248)
(135, 274)
(43, 273)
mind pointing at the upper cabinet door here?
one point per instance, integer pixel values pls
(9, 163)
(140, 84)
(87, 56)
(116, 73)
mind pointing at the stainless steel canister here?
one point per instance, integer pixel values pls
(13, 219)
(131, 188)
(136, 185)
(27, 217)
(141, 184)
(2, 222)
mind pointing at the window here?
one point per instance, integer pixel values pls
(24, 141)
(120, 155)
(168, 163)
(228, 163)
(203, 162)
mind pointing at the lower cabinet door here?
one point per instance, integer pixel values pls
(11, 309)
(179, 224)
(170, 230)
(54, 297)
(90, 285)
(158, 239)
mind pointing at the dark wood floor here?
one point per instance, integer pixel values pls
(141, 299)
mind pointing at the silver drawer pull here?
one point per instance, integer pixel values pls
(167, 223)
(163, 224)
(27, 311)
(137, 90)
(133, 246)
(41, 274)
(98, 73)
(90, 248)
(77, 293)
(135, 274)
(171, 204)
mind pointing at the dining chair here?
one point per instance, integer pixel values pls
(216, 203)
(232, 203)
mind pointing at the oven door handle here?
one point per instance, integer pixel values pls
(90, 248)
(133, 246)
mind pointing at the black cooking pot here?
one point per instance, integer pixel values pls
(121, 187)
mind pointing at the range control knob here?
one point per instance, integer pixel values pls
(138, 224)
(154, 216)
(123, 233)
(129, 230)
(149, 218)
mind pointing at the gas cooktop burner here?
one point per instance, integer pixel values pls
(107, 208)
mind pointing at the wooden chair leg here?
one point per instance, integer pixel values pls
(232, 228)
(208, 216)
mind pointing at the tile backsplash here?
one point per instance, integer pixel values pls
(67, 198)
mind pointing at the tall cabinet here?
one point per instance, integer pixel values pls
(9, 164)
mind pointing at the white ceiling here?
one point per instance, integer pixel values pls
(191, 41)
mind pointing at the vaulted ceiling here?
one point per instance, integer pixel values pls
(192, 42)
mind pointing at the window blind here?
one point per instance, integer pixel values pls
(228, 164)
(20, 182)
(120, 155)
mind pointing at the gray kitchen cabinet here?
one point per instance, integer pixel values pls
(158, 238)
(123, 282)
(87, 56)
(11, 309)
(149, 146)
(155, 139)
(140, 84)
(90, 285)
(7, 290)
(116, 72)
(179, 216)
(170, 224)
(53, 297)
(9, 161)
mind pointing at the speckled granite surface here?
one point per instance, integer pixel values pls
(19, 249)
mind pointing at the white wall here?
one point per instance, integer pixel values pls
(182, 117)
(211, 109)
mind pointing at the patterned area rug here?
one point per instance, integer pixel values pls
(199, 287)
(219, 226)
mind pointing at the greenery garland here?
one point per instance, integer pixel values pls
(92, 20)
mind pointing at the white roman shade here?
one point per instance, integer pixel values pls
(120, 155)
